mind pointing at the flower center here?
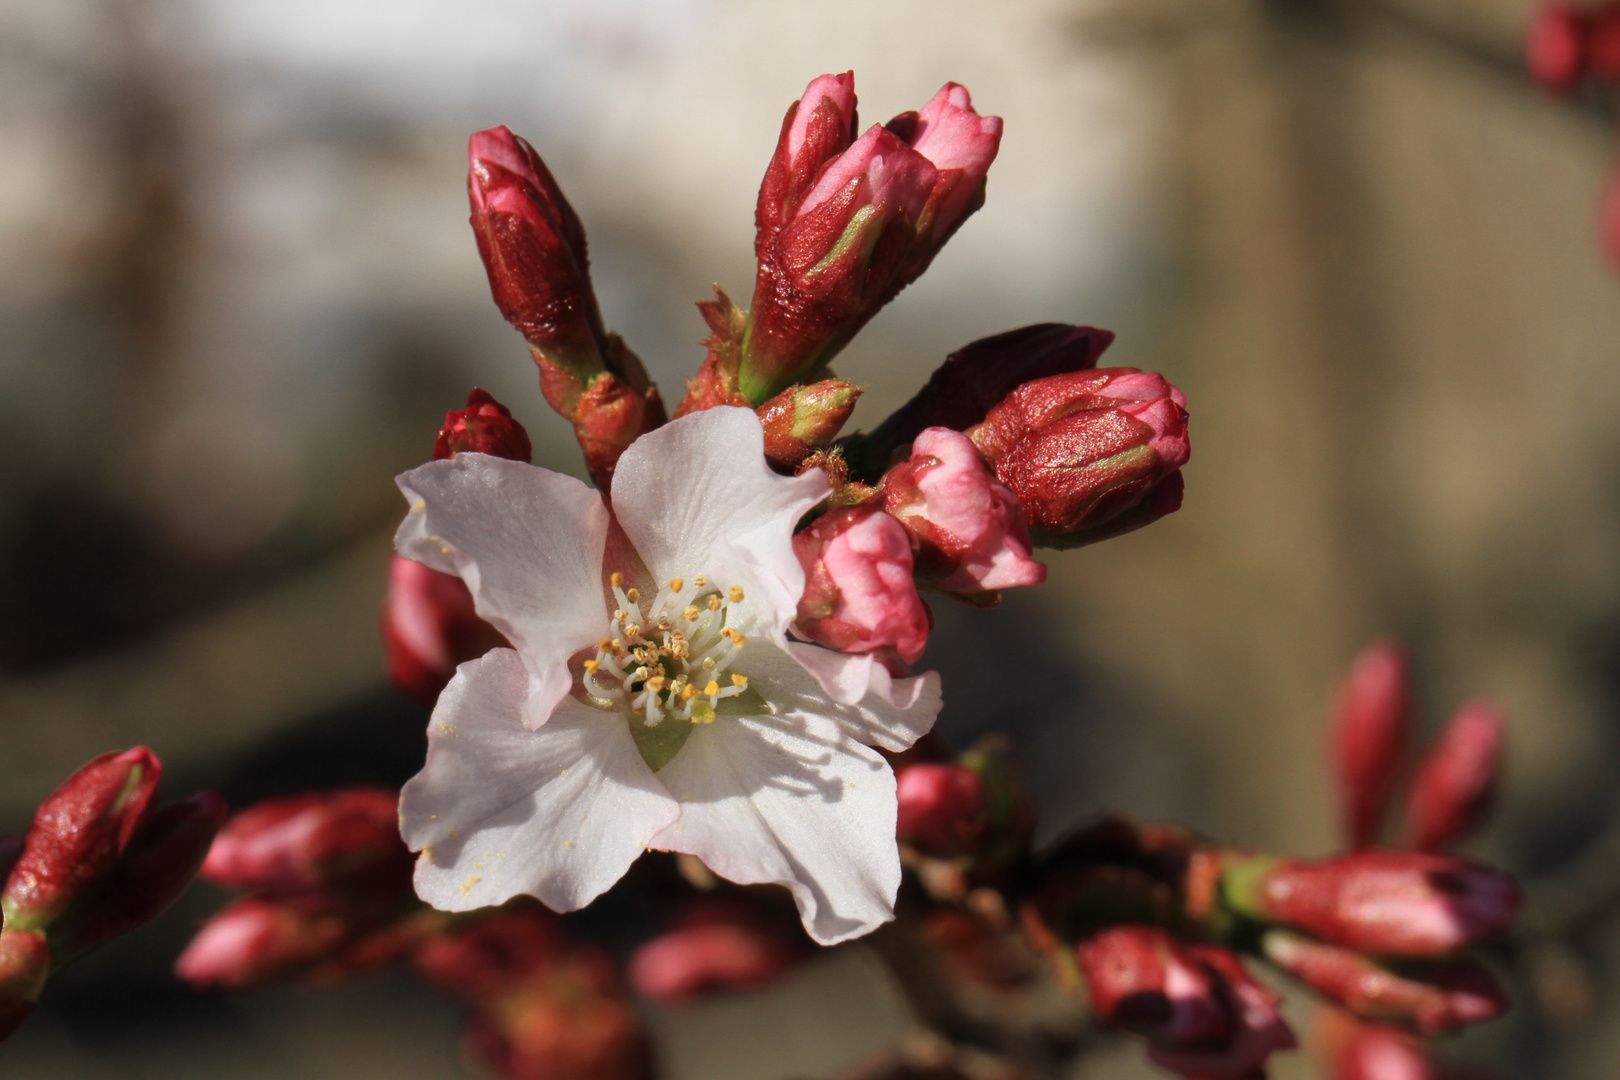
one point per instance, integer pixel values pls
(669, 657)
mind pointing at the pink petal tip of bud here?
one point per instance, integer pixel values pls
(859, 594)
(1456, 781)
(429, 627)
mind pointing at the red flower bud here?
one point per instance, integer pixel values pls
(1452, 791)
(1090, 454)
(429, 626)
(493, 954)
(1387, 903)
(1376, 1052)
(1556, 47)
(969, 531)
(254, 940)
(859, 596)
(721, 947)
(941, 811)
(1427, 997)
(973, 380)
(566, 1022)
(160, 862)
(485, 426)
(1602, 45)
(77, 834)
(802, 419)
(334, 840)
(25, 961)
(1204, 1015)
(871, 216)
(1371, 720)
(533, 247)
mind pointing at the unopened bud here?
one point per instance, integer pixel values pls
(1377, 1052)
(721, 947)
(533, 247)
(941, 812)
(970, 532)
(1371, 719)
(485, 426)
(429, 627)
(1452, 791)
(614, 411)
(859, 596)
(1430, 997)
(1090, 455)
(567, 1020)
(802, 419)
(1556, 45)
(160, 863)
(334, 840)
(1386, 903)
(78, 833)
(973, 380)
(254, 940)
(25, 962)
(492, 954)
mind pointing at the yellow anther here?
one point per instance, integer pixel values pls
(605, 644)
(739, 681)
(677, 584)
(619, 615)
(592, 665)
(688, 692)
(708, 663)
(656, 683)
(618, 646)
(736, 594)
(617, 579)
(700, 581)
(712, 689)
(664, 623)
(691, 613)
(632, 631)
(714, 603)
(633, 595)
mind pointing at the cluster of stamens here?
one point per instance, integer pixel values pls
(668, 658)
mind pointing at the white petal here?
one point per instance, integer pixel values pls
(787, 799)
(696, 497)
(528, 542)
(498, 810)
(869, 704)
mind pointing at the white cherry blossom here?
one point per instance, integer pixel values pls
(651, 697)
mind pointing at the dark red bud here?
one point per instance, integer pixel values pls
(689, 961)
(429, 627)
(1556, 47)
(1371, 719)
(941, 809)
(1431, 998)
(485, 426)
(255, 940)
(802, 419)
(344, 839)
(493, 954)
(1139, 979)
(1377, 1052)
(77, 834)
(1452, 791)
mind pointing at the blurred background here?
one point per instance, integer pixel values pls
(238, 293)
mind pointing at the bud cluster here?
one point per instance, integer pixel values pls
(100, 858)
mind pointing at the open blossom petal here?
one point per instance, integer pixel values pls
(500, 810)
(528, 542)
(872, 705)
(696, 494)
(789, 799)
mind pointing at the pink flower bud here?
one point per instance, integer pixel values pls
(1376, 1052)
(493, 954)
(78, 834)
(1091, 454)
(859, 596)
(429, 626)
(566, 1022)
(160, 862)
(485, 426)
(802, 419)
(720, 947)
(255, 940)
(1386, 903)
(1452, 791)
(970, 533)
(1556, 47)
(25, 962)
(1204, 1015)
(974, 379)
(871, 220)
(533, 247)
(1429, 997)
(334, 840)
(1371, 720)
(941, 810)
